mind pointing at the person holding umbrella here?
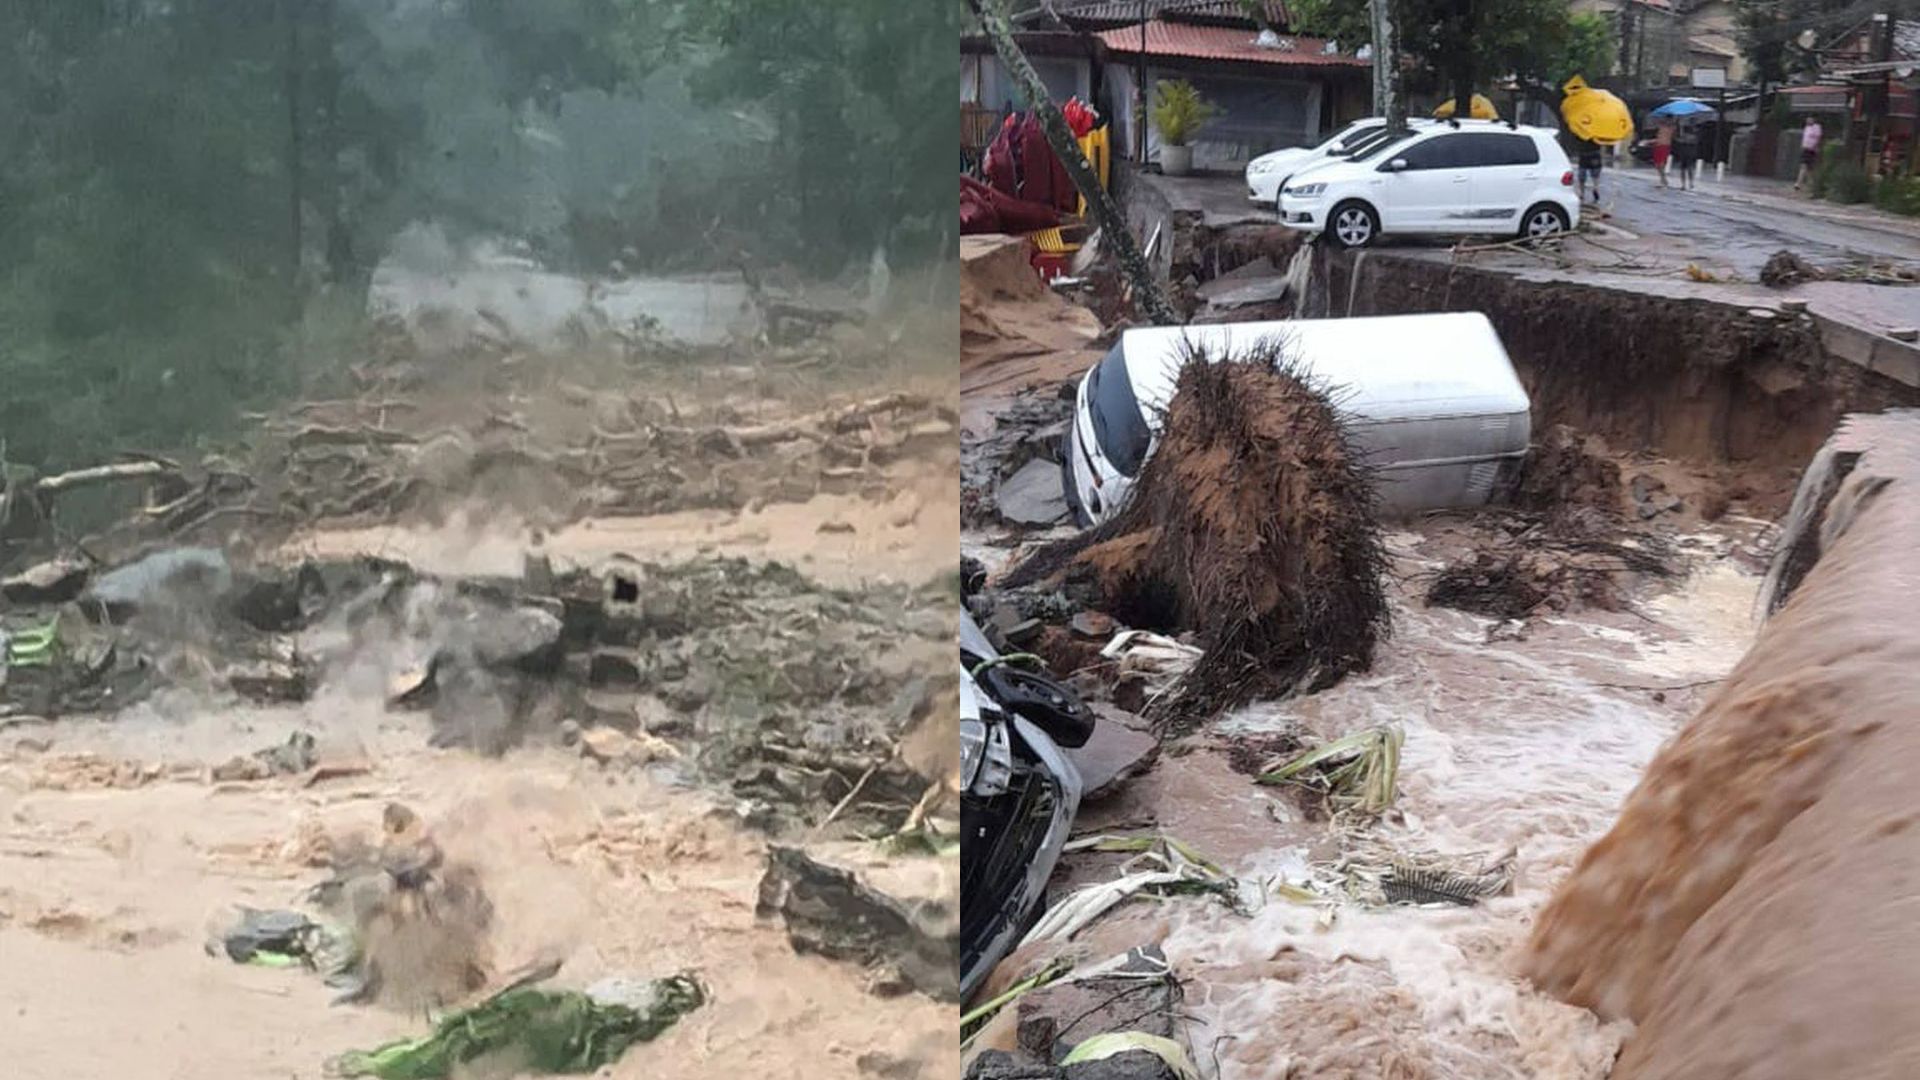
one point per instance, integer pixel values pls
(1686, 152)
(1668, 114)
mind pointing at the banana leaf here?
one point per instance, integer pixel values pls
(547, 1031)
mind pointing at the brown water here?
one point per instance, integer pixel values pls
(106, 895)
(1529, 745)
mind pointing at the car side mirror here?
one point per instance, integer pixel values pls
(1398, 164)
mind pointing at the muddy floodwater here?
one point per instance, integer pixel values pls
(110, 885)
(1522, 740)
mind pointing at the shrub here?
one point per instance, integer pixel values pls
(1849, 183)
(1179, 111)
(1822, 179)
(1898, 195)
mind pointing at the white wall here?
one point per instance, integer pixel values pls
(1261, 114)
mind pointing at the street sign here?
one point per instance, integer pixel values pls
(1710, 78)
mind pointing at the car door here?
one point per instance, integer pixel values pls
(1507, 170)
(1433, 185)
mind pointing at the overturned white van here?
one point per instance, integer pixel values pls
(1433, 400)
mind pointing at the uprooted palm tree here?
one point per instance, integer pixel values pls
(1252, 526)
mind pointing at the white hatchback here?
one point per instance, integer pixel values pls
(1266, 173)
(1453, 179)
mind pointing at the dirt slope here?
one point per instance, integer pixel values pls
(1751, 908)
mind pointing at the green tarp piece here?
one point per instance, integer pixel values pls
(549, 1031)
(34, 646)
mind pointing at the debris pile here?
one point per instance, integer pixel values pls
(636, 456)
(1531, 564)
(1252, 526)
(1784, 268)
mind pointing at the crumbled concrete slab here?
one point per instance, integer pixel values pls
(852, 901)
(1033, 495)
(1114, 755)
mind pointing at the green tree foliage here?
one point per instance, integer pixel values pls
(184, 183)
(1770, 32)
(1457, 48)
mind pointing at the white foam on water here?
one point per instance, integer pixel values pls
(1518, 745)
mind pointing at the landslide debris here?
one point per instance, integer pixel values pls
(1253, 527)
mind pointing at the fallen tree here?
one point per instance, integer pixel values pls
(1253, 527)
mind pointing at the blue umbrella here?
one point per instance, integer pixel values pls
(1682, 107)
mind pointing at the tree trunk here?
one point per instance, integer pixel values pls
(1113, 227)
(1387, 85)
(296, 140)
(340, 261)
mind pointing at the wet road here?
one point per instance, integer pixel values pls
(1745, 233)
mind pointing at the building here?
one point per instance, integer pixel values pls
(1272, 88)
(1662, 42)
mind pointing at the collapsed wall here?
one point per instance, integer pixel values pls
(1689, 379)
(1752, 910)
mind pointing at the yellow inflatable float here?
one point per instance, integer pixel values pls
(1594, 114)
(1481, 109)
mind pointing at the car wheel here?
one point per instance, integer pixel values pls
(1543, 221)
(1353, 225)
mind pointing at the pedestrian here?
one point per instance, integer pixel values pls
(1663, 147)
(1686, 153)
(1588, 160)
(1809, 151)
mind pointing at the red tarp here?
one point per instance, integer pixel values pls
(984, 210)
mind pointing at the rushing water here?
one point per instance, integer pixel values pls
(1528, 745)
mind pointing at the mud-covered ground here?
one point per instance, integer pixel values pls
(789, 512)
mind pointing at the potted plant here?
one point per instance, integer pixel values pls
(1178, 112)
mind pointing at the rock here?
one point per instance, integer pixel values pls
(521, 636)
(609, 746)
(1093, 624)
(847, 901)
(1033, 495)
(1114, 755)
(281, 602)
(296, 755)
(1001, 1065)
(615, 669)
(1904, 333)
(271, 681)
(56, 581)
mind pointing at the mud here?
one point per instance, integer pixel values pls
(1013, 329)
(1747, 908)
(108, 894)
(688, 600)
(1688, 380)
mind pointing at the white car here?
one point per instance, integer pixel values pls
(1433, 399)
(1454, 179)
(1266, 173)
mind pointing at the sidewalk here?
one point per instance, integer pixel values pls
(1778, 195)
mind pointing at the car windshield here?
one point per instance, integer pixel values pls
(1118, 427)
(1346, 141)
(1379, 142)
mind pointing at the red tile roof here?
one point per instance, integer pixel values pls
(1128, 11)
(1221, 43)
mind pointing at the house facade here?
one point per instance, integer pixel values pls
(1271, 88)
(1662, 42)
